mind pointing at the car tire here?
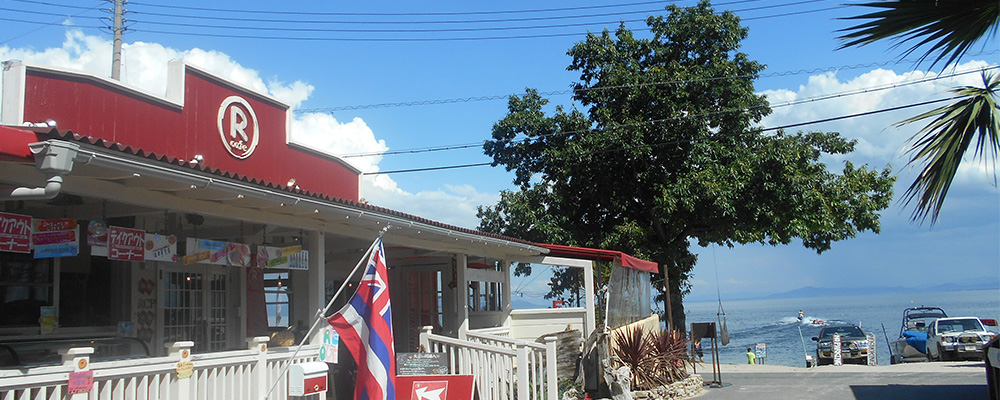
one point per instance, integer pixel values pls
(930, 357)
(942, 356)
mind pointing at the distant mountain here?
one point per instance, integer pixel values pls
(811, 291)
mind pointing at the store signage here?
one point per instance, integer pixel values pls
(238, 127)
(421, 364)
(217, 252)
(161, 247)
(125, 244)
(328, 349)
(434, 387)
(80, 382)
(289, 257)
(15, 233)
(55, 238)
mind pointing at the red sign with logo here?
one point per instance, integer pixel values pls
(434, 387)
(126, 244)
(15, 233)
(234, 130)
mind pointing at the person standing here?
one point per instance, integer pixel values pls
(751, 357)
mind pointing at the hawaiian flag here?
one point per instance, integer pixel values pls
(365, 327)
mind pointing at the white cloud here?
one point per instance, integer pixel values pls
(879, 142)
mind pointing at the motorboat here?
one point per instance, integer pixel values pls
(912, 342)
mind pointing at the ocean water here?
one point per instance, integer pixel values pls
(774, 322)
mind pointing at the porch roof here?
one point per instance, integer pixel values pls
(558, 250)
(169, 181)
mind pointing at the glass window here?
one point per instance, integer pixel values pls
(25, 287)
(277, 298)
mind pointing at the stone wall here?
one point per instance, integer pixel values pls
(689, 387)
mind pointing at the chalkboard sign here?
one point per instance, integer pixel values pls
(421, 364)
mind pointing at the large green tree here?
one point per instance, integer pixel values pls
(943, 30)
(668, 152)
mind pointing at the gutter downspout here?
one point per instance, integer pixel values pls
(54, 158)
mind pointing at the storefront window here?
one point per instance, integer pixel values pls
(277, 298)
(485, 296)
(25, 287)
(93, 291)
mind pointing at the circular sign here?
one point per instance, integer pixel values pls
(238, 127)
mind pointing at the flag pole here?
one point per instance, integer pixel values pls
(320, 314)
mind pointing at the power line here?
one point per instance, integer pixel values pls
(865, 90)
(568, 91)
(397, 22)
(674, 142)
(314, 13)
(426, 39)
(49, 24)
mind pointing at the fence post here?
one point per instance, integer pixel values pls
(258, 373)
(183, 388)
(836, 348)
(550, 368)
(79, 359)
(425, 340)
(872, 353)
(523, 385)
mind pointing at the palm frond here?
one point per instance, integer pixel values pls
(946, 28)
(942, 144)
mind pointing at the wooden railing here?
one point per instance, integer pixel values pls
(504, 368)
(241, 374)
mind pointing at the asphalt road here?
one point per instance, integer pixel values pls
(932, 381)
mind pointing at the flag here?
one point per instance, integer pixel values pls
(365, 327)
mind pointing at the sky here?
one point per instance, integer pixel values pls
(377, 78)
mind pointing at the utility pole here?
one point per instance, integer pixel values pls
(116, 55)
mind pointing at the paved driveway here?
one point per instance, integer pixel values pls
(931, 381)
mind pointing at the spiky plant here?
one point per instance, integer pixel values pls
(655, 359)
(633, 348)
(671, 349)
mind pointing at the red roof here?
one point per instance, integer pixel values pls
(626, 260)
(14, 144)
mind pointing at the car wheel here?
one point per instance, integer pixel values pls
(930, 358)
(942, 356)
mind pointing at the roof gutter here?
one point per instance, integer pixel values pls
(98, 157)
(53, 158)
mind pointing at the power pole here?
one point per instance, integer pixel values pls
(116, 55)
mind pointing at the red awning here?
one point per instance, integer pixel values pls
(14, 144)
(601, 254)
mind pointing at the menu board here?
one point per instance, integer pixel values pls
(421, 364)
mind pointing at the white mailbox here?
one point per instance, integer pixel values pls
(307, 379)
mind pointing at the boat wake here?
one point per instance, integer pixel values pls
(806, 321)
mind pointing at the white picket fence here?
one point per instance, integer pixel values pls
(241, 374)
(503, 368)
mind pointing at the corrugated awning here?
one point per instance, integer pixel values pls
(601, 254)
(14, 144)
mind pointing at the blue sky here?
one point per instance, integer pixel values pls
(451, 50)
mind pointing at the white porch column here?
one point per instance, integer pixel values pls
(316, 244)
(508, 301)
(462, 265)
(590, 322)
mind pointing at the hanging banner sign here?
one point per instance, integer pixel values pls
(217, 252)
(331, 341)
(97, 233)
(290, 257)
(125, 244)
(161, 247)
(15, 233)
(55, 238)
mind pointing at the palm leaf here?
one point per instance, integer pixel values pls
(948, 27)
(942, 144)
